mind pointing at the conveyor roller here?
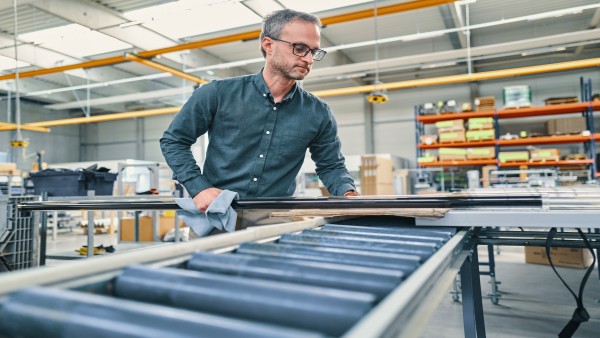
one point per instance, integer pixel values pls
(317, 282)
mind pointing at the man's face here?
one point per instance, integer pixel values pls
(283, 59)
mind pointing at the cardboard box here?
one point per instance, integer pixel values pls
(477, 123)
(566, 257)
(376, 175)
(452, 154)
(145, 228)
(571, 125)
(480, 135)
(35, 166)
(8, 167)
(513, 156)
(450, 125)
(482, 153)
(428, 139)
(485, 175)
(452, 137)
(552, 154)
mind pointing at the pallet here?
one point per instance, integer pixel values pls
(451, 142)
(481, 140)
(517, 107)
(574, 157)
(561, 100)
(544, 160)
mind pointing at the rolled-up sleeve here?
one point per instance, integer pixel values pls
(193, 120)
(330, 163)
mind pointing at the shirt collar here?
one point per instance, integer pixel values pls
(259, 82)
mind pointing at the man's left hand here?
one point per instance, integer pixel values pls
(351, 193)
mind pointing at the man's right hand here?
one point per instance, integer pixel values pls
(204, 198)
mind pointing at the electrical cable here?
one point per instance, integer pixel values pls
(580, 315)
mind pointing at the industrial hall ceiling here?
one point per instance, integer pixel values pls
(100, 57)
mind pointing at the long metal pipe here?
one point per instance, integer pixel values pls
(250, 35)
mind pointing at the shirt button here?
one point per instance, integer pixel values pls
(274, 108)
(255, 179)
(264, 95)
(267, 132)
(261, 155)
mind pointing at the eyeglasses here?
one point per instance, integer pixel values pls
(300, 49)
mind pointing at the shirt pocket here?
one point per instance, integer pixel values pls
(294, 143)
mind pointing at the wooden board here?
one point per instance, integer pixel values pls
(408, 212)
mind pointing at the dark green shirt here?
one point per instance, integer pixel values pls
(256, 147)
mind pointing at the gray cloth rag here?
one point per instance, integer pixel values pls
(219, 214)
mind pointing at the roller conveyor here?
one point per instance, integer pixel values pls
(295, 290)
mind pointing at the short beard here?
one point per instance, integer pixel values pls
(288, 72)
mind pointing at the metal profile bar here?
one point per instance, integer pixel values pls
(163, 68)
(517, 201)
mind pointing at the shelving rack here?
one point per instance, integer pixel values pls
(586, 108)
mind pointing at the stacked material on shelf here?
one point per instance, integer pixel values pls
(541, 155)
(480, 135)
(513, 156)
(451, 131)
(570, 125)
(480, 123)
(452, 154)
(516, 96)
(427, 158)
(561, 100)
(481, 153)
(428, 139)
(486, 103)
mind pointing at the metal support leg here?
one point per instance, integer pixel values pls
(455, 292)
(494, 294)
(471, 290)
(90, 229)
(43, 231)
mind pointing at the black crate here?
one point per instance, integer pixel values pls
(19, 235)
(72, 182)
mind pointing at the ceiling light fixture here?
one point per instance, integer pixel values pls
(131, 23)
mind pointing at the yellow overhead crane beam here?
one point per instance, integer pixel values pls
(407, 6)
(496, 74)
(164, 68)
(104, 118)
(442, 80)
(5, 126)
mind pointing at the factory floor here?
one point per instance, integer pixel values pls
(534, 303)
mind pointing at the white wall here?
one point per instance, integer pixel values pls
(60, 145)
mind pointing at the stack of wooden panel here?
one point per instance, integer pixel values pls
(486, 103)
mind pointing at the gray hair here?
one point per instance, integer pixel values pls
(274, 23)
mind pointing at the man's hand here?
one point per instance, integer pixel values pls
(204, 198)
(351, 193)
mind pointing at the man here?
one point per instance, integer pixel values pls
(259, 126)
